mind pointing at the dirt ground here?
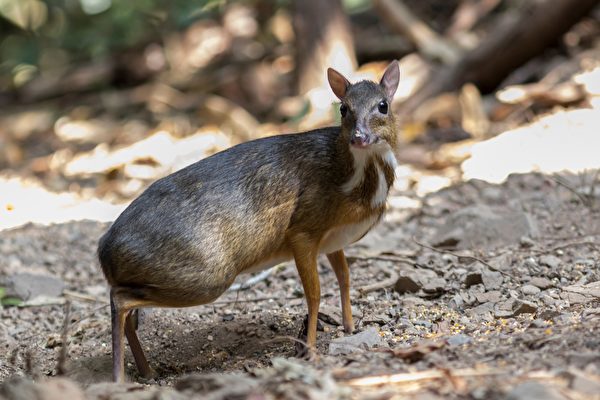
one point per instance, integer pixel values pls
(475, 291)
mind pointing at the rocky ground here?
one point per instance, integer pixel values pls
(476, 291)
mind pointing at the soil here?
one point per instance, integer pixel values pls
(468, 306)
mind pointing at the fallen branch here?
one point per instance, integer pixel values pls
(587, 201)
(256, 300)
(382, 257)
(251, 281)
(566, 245)
(83, 297)
(61, 364)
(468, 14)
(420, 376)
(377, 48)
(513, 41)
(402, 20)
(463, 256)
(385, 284)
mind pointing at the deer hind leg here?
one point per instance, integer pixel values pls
(124, 324)
(131, 325)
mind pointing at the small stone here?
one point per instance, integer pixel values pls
(215, 385)
(404, 323)
(422, 322)
(538, 323)
(493, 296)
(27, 286)
(54, 340)
(574, 298)
(468, 297)
(473, 278)
(541, 282)
(492, 280)
(330, 315)
(480, 393)
(526, 242)
(501, 262)
(581, 359)
(504, 309)
(565, 318)
(456, 302)
(530, 290)
(459, 340)
(483, 227)
(523, 307)
(550, 261)
(378, 318)
(355, 343)
(586, 262)
(406, 284)
(482, 310)
(585, 385)
(591, 312)
(549, 301)
(534, 391)
(435, 285)
(591, 289)
(548, 315)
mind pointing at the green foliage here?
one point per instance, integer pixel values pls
(8, 301)
(49, 34)
(354, 6)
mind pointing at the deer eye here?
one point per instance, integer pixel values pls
(383, 107)
(343, 110)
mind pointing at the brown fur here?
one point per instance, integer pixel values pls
(188, 236)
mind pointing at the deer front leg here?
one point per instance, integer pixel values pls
(342, 272)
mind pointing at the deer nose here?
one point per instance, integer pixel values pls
(359, 138)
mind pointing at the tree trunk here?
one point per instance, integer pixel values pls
(323, 39)
(515, 40)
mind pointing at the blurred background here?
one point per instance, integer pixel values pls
(98, 98)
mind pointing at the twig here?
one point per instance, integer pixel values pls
(84, 297)
(462, 256)
(42, 301)
(256, 300)
(62, 356)
(314, 356)
(282, 339)
(91, 314)
(251, 281)
(570, 237)
(564, 246)
(584, 199)
(383, 258)
(29, 362)
(385, 284)
(418, 376)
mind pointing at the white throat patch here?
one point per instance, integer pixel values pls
(361, 159)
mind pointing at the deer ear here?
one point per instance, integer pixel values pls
(339, 84)
(390, 79)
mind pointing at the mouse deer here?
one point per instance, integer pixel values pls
(185, 239)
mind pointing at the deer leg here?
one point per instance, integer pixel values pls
(340, 267)
(131, 324)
